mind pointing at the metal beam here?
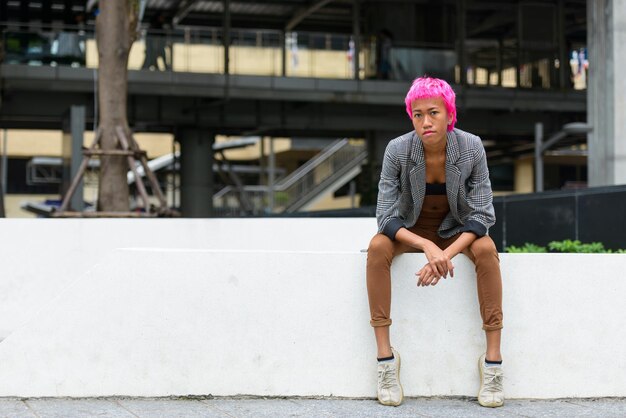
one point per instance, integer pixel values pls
(184, 7)
(299, 17)
(491, 22)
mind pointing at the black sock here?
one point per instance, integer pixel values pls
(492, 362)
(385, 358)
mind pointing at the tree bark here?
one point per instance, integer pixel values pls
(115, 33)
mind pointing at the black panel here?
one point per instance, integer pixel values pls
(602, 218)
(496, 232)
(539, 220)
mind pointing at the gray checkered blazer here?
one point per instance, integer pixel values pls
(403, 185)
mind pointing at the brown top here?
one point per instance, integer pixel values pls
(434, 210)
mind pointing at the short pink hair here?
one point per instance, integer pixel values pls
(427, 87)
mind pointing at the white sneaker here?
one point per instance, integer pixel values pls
(491, 393)
(389, 387)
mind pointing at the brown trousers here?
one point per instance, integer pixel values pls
(482, 252)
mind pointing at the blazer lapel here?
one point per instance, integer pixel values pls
(417, 174)
(453, 174)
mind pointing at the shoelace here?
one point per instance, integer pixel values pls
(387, 376)
(492, 379)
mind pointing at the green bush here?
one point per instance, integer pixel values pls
(569, 246)
(526, 248)
(565, 246)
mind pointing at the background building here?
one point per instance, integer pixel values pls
(295, 76)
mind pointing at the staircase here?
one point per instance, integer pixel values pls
(332, 168)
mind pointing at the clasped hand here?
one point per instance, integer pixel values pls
(438, 266)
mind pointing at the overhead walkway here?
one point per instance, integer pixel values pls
(38, 97)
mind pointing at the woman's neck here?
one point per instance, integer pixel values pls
(435, 150)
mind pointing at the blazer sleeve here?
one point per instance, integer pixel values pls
(479, 196)
(389, 192)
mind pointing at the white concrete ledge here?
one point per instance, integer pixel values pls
(280, 322)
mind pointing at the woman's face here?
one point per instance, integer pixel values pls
(430, 119)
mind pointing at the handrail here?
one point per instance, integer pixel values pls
(311, 164)
(334, 161)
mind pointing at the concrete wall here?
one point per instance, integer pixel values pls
(279, 307)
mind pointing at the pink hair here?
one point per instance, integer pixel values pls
(428, 87)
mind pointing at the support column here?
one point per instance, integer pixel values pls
(196, 172)
(283, 55)
(563, 53)
(538, 157)
(376, 144)
(518, 49)
(271, 175)
(460, 39)
(226, 36)
(72, 151)
(356, 32)
(606, 104)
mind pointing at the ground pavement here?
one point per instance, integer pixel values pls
(303, 407)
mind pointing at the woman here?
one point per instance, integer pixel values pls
(435, 197)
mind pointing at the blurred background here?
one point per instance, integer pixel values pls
(292, 102)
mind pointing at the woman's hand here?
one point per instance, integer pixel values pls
(438, 260)
(426, 276)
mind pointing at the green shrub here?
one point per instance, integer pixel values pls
(565, 246)
(569, 246)
(526, 248)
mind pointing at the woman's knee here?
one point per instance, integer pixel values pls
(483, 246)
(380, 245)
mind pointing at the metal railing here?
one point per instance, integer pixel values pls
(296, 190)
(306, 54)
(189, 49)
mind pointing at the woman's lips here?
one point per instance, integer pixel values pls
(428, 132)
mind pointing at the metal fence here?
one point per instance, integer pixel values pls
(589, 215)
(594, 214)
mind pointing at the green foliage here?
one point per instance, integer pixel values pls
(281, 198)
(526, 248)
(569, 246)
(565, 246)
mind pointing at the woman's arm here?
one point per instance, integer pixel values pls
(479, 195)
(438, 260)
(388, 202)
(461, 243)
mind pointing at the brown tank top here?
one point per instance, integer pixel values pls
(434, 210)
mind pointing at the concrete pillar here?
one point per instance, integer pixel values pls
(460, 39)
(283, 54)
(196, 172)
(72, 152)
(606, 102)
(376, 144)
(226, 36)
(356, 32)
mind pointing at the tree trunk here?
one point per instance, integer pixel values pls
(115, 34)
